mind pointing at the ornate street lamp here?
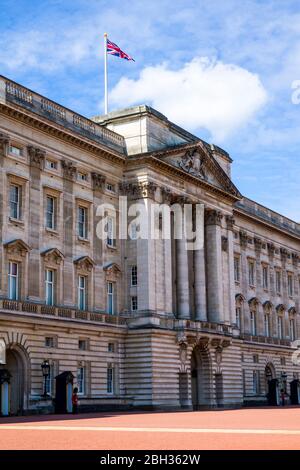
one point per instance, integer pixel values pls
(46, 372)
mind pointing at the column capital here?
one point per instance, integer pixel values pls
(69, 169)
(271, 249)
(243, 239)
(4, 141)
(258, 244)
(166, 195)
(36, 156)
(230, 221)
(139, 190)
(213, 217)
(98, 181)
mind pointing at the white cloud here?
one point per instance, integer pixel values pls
(202, 94)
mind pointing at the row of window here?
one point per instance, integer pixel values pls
(83, 344)
(52, 165)
(265, 277)
(82, 380)
(267, 324)
(82, 288)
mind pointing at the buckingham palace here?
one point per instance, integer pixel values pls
(136, 322)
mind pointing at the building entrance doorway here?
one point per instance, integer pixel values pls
(15, 364)
(200, 378)
(271, 385)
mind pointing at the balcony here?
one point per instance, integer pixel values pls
(266, 340)
(60, 313)
(12, 93)
(204, 326)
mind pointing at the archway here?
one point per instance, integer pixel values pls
(200, 378)
(16, 363)
(269, 374)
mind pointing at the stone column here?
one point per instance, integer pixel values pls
(36, 158)
(244, 277)
(98, 185)
(4, 142)
(69, 171)
(182, 269)
(259, 286)
(167, 249)
(213, 220)
(231, 283)
(200, 280)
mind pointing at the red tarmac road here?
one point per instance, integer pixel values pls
(255, 428)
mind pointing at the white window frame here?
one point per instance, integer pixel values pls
(51, 214)
(110, 379)
(237, 269)
(81, 378)
(253, 323)
(134, 276)
(238, 316)
(110, 289)
(12, 152)
(251, 273)
(111, 231)
(292, 327)
(16, 203)
(134, 303)
(290, 280)
(49, 380)
(267, 324)
(82, 222)
(280, 327)
(81, 293)
(278, 282)
(49, 286)
(265, 277)
(13, 281)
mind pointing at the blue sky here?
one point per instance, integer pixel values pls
(223, 69)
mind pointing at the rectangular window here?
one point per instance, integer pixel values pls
(110, 298)
(237, 269)
(278, 282)
(15, 201)
(49, 286)
(238, 317)
(15, 151)
(82, 222)
(251, 275)
(256, 382)
(49, 380)
(110, 187)
(253, 323)
(111, 239)
(81, 292)
(51, 165)
(280, 327)
(265, 277)
(290, 284)
(13, 281)
(49, 342)
(51, 213)
(82, 176)
(267, 324)
(82, 344)
(81, 380)
(111, 347)
(134, 304)
(134, 281)
(110, 379)
(292, 329)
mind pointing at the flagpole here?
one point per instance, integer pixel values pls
(105, 75)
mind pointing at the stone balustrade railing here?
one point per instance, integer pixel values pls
(266, 340)
(60, 312)
(12, 92)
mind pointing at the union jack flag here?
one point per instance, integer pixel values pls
(113, 49)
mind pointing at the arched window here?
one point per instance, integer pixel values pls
(280, 320)
(239, 304)
(292, 323)
(267, 306)
(253, 304)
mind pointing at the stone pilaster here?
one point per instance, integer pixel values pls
(98, 185)
(213, 220)
(36, 160)
(182, 269)
(69, 171)
(231, 284)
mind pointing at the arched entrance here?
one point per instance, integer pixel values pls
(201, 378)
(269, 375)
(16, 364)
(271, 385)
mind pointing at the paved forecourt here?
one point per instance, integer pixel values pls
(259, 428)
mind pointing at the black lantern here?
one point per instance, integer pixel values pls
(46, 372)
(283, 378)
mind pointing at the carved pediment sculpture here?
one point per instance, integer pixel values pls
(112, 271)
(192, 162)
(53, 255)
(17, 247)
(84, 263)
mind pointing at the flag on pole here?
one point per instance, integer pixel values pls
(113, 49)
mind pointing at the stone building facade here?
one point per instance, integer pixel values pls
(139, 322)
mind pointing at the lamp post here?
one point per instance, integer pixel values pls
(283, 379)
(46, 372)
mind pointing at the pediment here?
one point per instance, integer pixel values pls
(17, 246)
(53, 255)
(197, 161)
(112, 271)
(85, 263)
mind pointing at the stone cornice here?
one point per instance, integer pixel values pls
(171, 170)
(139, 190)
(58, 131)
